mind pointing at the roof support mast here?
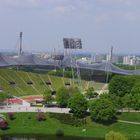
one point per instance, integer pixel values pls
(20, 49)
(107, 64)
(111, 54)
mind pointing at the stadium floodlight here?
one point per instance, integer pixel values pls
(72, 43)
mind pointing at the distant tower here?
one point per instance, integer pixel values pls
(20, 47)
(111, 53)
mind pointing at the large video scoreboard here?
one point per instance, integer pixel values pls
(72, 43)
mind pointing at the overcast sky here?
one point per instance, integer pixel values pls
(44, 23)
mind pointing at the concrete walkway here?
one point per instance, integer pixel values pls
(20, 108)
(129, 122)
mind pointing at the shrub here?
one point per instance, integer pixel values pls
(29, 117)
(59, 133)
(11, 115)
(3, 124)
(40, 117)
(115, 136)
(68, 119)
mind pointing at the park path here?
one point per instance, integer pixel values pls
(104, 89)
(129, 122)
(20, 108)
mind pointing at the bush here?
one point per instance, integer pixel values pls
(3, 124)
(40, 117)
(11, 115)
(59, 133)
(68, 119)
(115, 136)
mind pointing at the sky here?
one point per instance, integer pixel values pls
(99, 23)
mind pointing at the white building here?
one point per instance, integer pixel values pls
(131, 60)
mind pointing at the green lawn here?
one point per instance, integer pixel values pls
(23, 125)
(133, 117)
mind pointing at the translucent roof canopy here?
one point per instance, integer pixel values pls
(33, 60)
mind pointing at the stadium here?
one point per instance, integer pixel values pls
(17, 82)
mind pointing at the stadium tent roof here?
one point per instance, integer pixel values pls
(6, 61)
(108, 67)
(33, 60)
(105, 66)
(29, 59)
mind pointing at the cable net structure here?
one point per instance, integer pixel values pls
(33, 60)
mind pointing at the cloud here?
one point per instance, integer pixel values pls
(50, 7)
(19, 3)
(122, 2)
(119, 16)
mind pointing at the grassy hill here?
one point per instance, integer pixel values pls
(27, 83)
(22, 83)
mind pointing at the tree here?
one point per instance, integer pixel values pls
(62, 97)
(121, 85)
(90, 93)
(63, 94)
(3, 96)
(48, 98)
(78, 104)
(103, 111)
(137, 104)
(131, 101)
(116, 100)
(128, 101)
(136, 88)
(115, 136)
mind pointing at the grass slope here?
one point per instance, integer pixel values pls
(23, 125)
(132, 117)
(39, 82)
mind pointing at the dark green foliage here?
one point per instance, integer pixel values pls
(68, 119)
(62, 97)
(103, 111)
(136, 88)
(90, 93)
(131, 101)
(63, 94)
(78, 104)
(59, 133)
(48, 98)
(116, 100)
(121, 85)
(3, 96)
